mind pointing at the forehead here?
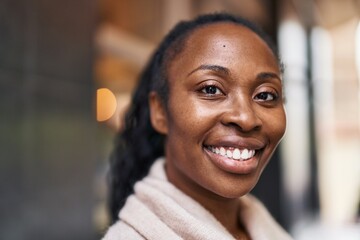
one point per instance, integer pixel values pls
(228, 35)
(224, 42)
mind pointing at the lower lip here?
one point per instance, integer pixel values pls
(234, 166)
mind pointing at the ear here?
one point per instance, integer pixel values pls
(158, 115)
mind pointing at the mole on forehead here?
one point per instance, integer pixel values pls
(226, 36)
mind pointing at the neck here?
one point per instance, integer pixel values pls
(226, 211)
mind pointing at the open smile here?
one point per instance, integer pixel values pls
(233, 153)
(234, 160)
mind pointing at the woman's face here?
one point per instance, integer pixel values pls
(225, 114)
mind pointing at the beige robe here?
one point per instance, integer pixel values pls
(159, 211)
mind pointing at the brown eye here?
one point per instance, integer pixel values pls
(211, 90)
(266, 96)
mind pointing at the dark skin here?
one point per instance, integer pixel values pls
(225, 94)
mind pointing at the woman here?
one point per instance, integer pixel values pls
(205, 119)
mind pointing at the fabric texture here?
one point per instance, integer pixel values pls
(159, 211)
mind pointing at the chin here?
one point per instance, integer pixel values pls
(235, 189)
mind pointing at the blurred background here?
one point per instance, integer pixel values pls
(67, 69)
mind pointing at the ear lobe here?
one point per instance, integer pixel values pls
(158, 115)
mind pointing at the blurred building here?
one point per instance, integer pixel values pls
(49, 138)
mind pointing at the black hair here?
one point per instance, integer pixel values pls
(138, 145)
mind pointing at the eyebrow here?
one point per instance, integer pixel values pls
(215, 68)
(268, 75)
(226, 71)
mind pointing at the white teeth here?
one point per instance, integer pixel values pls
(222, 151)
(229, 154)
(251, 153)
(234, 153)
(245, 154)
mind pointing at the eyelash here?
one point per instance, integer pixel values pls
(272, 94)
(205, 88)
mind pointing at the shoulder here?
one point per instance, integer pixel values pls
(121, 230)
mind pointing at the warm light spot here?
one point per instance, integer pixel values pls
(105, 104)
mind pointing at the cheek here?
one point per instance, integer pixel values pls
(182, 121)
(189, 117)
(275, 125)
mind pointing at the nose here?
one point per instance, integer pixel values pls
(242, 114)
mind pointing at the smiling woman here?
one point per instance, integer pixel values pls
(207, 116)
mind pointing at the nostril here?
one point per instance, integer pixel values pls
(242, 120)
(257, 128)
(244, 128)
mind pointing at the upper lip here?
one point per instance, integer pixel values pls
(237, 142)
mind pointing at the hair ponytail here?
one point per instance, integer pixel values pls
(137, 146)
